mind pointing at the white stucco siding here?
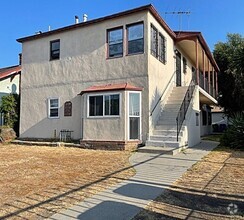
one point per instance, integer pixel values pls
(193, 121)
(159, 73)
(83, 62)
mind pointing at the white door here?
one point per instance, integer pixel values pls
(134, 115)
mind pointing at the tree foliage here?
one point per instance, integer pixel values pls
(10, 108)
(230, 59)
(234, 136)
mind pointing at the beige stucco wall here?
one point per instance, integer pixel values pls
(159, 73)
(105, 128)
(82, 63)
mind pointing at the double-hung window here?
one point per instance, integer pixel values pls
(115, 42)
(104, 105)
(54, 49)
(162, 48)
(154, 41)
(135, 36)
(53, 107)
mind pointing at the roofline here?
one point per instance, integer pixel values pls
(8, 73)
(89, 22)
(148, 7)
(191, 35)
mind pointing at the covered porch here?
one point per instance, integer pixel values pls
(205, 72)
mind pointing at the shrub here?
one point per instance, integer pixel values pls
(10, 108)
(234, 135)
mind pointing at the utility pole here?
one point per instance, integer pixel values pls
(179, 13)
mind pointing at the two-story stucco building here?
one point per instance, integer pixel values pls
(117, 81)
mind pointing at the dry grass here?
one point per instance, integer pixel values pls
(36, 182)
(204, 191)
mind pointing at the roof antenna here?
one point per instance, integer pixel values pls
(180, 13)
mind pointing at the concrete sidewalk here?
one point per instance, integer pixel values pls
(154, 173)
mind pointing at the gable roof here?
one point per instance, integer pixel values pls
(111, 87)
(149, 8)
(9, 71)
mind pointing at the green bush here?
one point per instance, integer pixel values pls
(234, 135)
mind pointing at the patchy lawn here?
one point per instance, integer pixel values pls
(37, 182)
(212, 189)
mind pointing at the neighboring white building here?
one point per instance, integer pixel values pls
(117, 81)
(9, 83)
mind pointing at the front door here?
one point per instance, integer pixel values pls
(178, 68)
(134, 115)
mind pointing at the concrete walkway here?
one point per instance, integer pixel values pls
(154, 173)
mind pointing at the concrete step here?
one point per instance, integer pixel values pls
(174, 101)
(164, 138)
(166, 127)
(159, 150)
(169, 116)
(167, 132)
(167, 121)
(162, 144)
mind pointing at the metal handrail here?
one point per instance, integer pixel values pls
(163, 93)
(184, 107)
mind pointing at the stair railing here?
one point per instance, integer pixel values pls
(168, 85)
(184, 107)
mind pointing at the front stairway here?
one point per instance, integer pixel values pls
(165, 132)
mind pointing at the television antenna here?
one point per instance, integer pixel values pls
(180, 13)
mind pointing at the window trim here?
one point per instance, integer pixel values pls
(127, 38)
(49, 108)
(107, 41)
(51, 42)
(104, 94)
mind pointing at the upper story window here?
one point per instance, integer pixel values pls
(54, 49)
(104, 105)
(154, 41)
(135, 36)
(162, 48)
(158, 45)
(184, 65)
(53, 107)
(115, 42)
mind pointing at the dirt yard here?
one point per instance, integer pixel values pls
(212, 189)
(36, 182)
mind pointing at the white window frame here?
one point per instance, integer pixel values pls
(49, 108)
(139, 116)
(104, 116)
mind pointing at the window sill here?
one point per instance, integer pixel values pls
(103, 117)
(54, 59)
(111, 58)
(132, 54)
(53, 117)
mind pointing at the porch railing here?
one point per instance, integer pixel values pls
(203, 83)
(184, 107)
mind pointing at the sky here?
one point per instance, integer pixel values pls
(21, 18)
